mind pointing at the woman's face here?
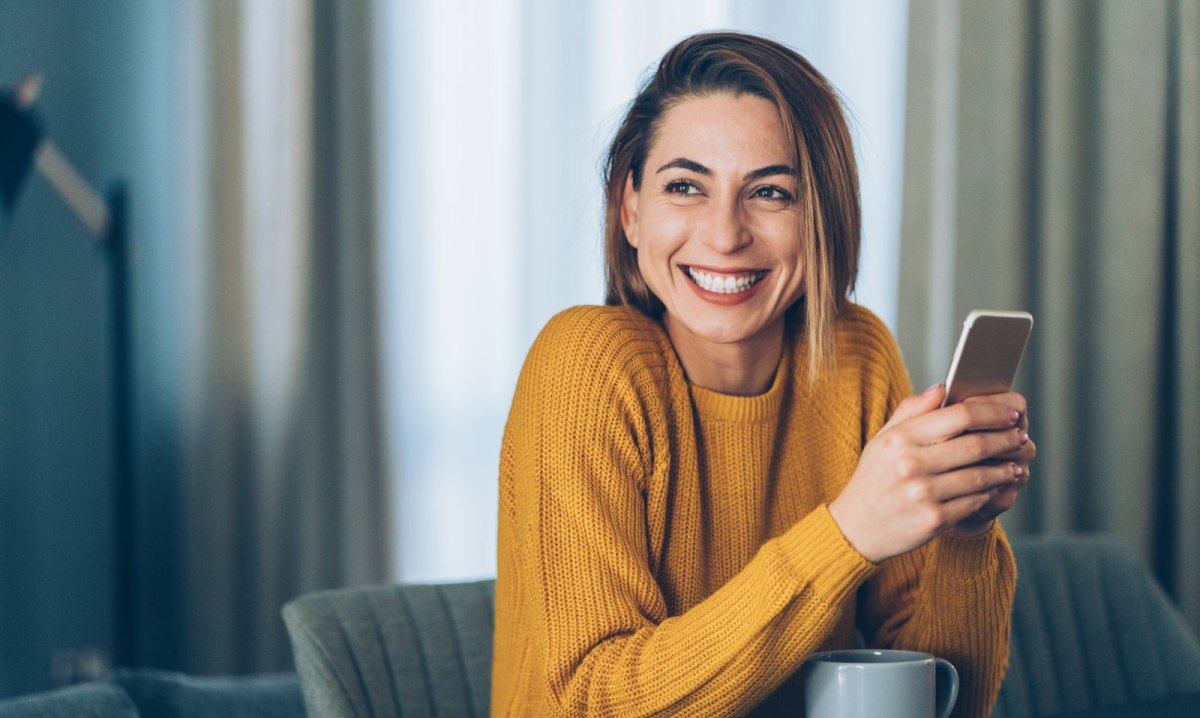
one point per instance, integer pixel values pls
(716, 222)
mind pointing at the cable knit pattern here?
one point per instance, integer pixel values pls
(667, 550)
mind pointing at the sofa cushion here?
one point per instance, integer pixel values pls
(86, 700)
(164, 694)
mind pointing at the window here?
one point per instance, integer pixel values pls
(494, 116)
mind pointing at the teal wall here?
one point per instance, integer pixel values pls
(109, 101)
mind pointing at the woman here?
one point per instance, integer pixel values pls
(718, 473)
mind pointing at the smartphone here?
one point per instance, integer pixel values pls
(988, 354)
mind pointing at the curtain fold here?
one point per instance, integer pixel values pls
(1053, 164)
(286, 490)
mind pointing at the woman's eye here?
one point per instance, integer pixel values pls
(773, 193)
(681, 187)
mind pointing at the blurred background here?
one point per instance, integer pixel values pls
(348, 220)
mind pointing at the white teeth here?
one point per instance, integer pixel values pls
(725, 283)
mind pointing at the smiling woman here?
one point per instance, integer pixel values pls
(719, 473)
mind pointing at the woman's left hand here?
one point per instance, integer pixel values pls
(1004, 497)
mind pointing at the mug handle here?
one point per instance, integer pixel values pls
(947, 687)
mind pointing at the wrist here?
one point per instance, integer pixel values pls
(837, 513)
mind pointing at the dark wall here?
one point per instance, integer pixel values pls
(112, 72)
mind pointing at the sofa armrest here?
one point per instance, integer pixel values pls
(165, 694)
(86, 700)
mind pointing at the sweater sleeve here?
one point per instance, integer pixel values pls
(580, 469)
(952, 597)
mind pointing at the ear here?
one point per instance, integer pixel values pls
(629, 221)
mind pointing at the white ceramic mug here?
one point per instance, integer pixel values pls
(871, 683)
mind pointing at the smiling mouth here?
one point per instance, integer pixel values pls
(724, 283)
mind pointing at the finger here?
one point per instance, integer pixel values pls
(1001, 501)
(938, 426)
(1021, 480)
(1011, 399)
(968, 449)
(966, 507)
(916, 405)
(981, 478)
(1024, 454)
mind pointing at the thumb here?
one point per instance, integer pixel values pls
(918, 404)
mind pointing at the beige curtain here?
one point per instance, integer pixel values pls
(1053, 164)
(286, 490)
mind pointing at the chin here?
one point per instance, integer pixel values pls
(730, 329)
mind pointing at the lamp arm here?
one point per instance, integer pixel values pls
(91, 209)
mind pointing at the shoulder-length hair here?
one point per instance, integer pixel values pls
(811, 111)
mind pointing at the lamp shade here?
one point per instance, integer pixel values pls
(20, 134)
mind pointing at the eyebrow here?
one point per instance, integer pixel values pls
(693, 166)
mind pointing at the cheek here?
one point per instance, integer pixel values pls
(662, 231)
(654, 263)
(791, 254)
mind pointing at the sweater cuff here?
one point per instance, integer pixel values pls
(967, 556)
(822, 559)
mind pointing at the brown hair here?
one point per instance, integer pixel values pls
(739, 64)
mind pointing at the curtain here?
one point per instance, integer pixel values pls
(1053, 164)
(285, 487)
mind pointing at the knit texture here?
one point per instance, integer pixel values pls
(668, 550)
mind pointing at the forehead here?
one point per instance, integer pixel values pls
(722, 131)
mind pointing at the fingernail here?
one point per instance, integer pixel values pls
(1013, 416)
(931, 390)
(1017, 471)
(1024, 438)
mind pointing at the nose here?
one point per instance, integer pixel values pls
(726, 231)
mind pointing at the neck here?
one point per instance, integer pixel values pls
(743, 368)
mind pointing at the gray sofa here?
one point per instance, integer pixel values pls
(1093, 635)
(163, 694)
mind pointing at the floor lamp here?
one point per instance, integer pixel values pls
(25, 147)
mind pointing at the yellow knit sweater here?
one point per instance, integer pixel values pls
(667, 550)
